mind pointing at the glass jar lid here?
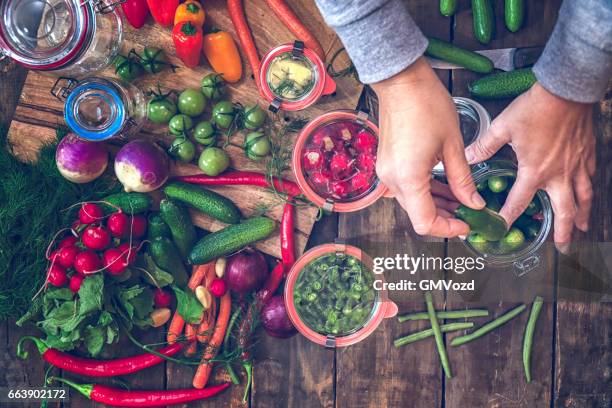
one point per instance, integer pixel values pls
(45, 34)
(94, 110)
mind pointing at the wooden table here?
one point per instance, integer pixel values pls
(572, 356)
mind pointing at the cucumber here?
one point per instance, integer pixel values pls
(130, 203)
(209, 202)
(503, 85)
(497, 184)
(481, 186)
(482, 11)
(479, 242)
(448, 7)
(534, 207)
(460, 56)
(512, 241)
(514, 12)
(165, 255)
(529, 226)
(485, 222)
(231, 239)
(492, 200)
(177, 218)
(157, 227)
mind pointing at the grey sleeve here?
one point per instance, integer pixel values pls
(577, 61)
(379, 35)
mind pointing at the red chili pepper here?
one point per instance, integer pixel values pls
(136, 12)
(244, 178)
(287, 239)
(272, 283)
(163, 11)
(119, 397)
(97, 368)
(188, 41)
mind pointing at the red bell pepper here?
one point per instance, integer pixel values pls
(136, 12)
(163, 11)
(188, 40)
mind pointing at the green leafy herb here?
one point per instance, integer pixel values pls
(155, 275)
(188, 306)
(91, 294)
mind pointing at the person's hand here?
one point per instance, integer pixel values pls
(419, 127)
(555, 147)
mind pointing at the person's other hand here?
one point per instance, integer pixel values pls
(555, 147)
(419, 127)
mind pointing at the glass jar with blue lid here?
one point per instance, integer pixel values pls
(98, 109)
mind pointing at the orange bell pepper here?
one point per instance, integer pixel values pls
(188, 42)
(191, 10)
(223, 56)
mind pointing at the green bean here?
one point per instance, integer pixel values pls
(411, 338)
(435, 326)
(445, 314)
(486, 328)
(536, 307)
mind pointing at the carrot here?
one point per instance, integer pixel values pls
(209, 317)
(190, 334)
(204, 369)
(177, 324)
(245, 37)
(293, 23)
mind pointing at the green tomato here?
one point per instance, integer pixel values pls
(154, 60)
(213, 161)
(127, 69)
(180, 124)
(223, 114)
(204, 133)
(254, 117)
(213, 86)
(160, 109)
(183, 149)
(256, 146)
(191, 102)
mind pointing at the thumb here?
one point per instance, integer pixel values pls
(459, 176)
(487, 145)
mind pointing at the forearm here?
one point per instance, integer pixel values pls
(379, 35)
(577, 61)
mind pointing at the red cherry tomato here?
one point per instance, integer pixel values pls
(162, 298)
(68, 241)
(129, 256)
(90, 213)
(96, 238)
(75, 282)
(118, 224)
(87, 262)
(138, 225)
(114, 262)
(66, 255)
(218, 287)
(57, 276)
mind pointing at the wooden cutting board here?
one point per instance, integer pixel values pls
(38, 113)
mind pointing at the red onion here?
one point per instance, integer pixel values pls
(141, 166)
(275, 320)
(80, 161)
(246, 271)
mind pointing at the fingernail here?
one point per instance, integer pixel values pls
(469, 156)
(478, 200)
(462, 237)
(564, 247)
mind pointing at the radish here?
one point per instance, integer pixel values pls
(66, 255)
(87, 262)
(75, 282)
(68, 241)
(340, 188)
(80, 161)
(365, 141)
(114, 261)
(53, 255)
(366, 162)
(312, 159)
(118, 224)
(321, 178)
(162, 298)
(218, 287)
(141, 166)
(57, 276)
(130, 256)
(90, 213)
(360, 182)
(96, 238)
(340, 165)
(138, 225)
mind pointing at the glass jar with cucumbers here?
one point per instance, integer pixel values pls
(517, 245)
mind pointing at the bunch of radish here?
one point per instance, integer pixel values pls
(98, 244)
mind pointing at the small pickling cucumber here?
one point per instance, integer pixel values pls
(460, 56)
(130, 203)
(448, 7)
(497, 184)
(485, 222)
(482, 11)
(165, 254)
(492, 199)
(534, 207)
(514, 12)
(479, 242)
(231, 239)
(503, 85)
(529, 226)
(156, 227)
(207, 201)
(177, 218)
(512, 241)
